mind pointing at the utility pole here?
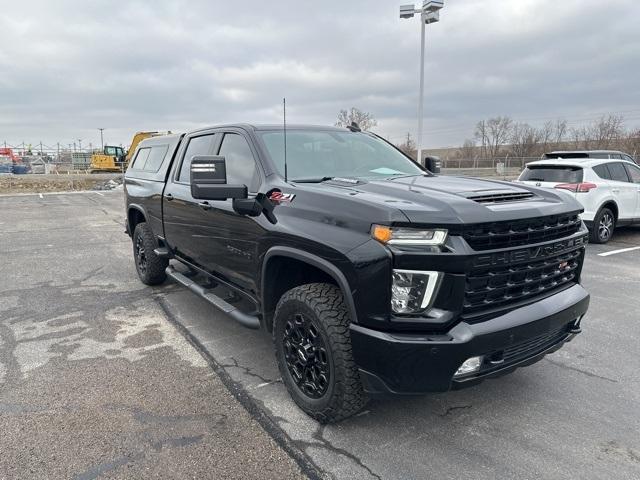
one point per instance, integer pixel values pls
(101, 139)
(80, 144)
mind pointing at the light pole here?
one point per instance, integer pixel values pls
(101, 139)
(429, 13)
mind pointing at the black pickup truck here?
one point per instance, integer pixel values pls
(372, 274)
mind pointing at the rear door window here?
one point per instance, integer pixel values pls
(618, 172)
(549, 173)
(197, 146)
(634, 172)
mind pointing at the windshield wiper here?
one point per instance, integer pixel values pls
(312, 180)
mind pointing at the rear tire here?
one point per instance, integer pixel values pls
(150, 267)
(313, 350)
(604, 224)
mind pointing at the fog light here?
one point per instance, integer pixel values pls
(412, 291)
(469, 366)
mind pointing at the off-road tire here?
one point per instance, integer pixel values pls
(604, 224)
(323, 305)
(153, 271)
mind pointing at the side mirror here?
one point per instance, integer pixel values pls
(209, 179)
(432, 164)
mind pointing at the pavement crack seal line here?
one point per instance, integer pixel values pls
(450, 410)
(322, 442)
(105, 467)
(12, 374)
(307, 466)
(584, 372)
(247, 371)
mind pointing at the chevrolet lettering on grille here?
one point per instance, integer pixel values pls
(526, 254)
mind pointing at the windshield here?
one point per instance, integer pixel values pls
(318, 154)
(552, 174)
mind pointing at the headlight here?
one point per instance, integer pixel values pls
(411, 290)
(408, 236)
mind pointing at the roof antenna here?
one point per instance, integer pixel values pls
(284, 115)
(354, 127)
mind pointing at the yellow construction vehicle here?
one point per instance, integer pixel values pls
(113, 159)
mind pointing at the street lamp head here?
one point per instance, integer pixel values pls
(432, 17)
(407, 11)
(430, 6)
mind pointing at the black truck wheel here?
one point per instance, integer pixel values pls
(313, 350)
(150, 267)
(603, 226)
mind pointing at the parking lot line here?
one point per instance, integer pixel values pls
(614, 252)
(74, 192)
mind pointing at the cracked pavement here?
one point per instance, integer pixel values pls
(114, 390)
(95, 382)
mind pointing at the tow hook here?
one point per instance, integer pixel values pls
(574, 330)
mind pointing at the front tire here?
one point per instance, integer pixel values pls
(603, 226)
(313, 350)
(150, 267)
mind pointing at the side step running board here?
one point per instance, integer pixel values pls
(243, 319)
(162, 252)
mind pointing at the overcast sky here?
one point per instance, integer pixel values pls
(68, 67)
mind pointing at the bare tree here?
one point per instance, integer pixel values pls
(365, 120)
(481, 135)
(552, 134)
(408, 146)
(493, 133)
(604, 133)
(606, 130)
(525, 139)
(631, 142)
(468, 149)
(559, 131)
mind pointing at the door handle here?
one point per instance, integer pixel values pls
(169, 197)
(205, 205)
(616, 190)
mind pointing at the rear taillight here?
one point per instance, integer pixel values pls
(577, 187)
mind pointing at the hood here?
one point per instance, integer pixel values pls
(454, 200)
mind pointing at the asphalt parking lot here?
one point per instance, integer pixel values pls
(101, 375)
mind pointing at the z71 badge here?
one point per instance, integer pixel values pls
(279, 197)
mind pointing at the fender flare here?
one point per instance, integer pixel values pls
(315, 261)
(140, 209)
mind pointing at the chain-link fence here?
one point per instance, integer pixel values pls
(507, 168)
(42, 158)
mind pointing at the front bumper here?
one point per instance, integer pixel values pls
(420, 363)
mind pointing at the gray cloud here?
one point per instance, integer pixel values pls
(70, 66)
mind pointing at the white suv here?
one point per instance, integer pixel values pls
(608, 189)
